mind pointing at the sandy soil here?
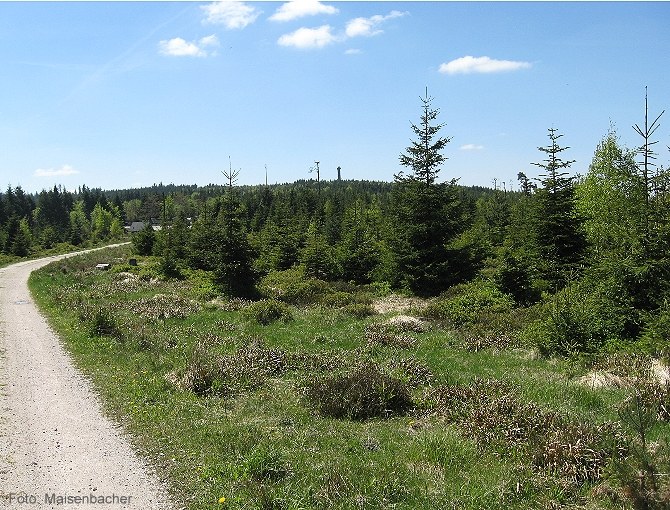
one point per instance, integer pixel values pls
(54, 440)
(396, 303)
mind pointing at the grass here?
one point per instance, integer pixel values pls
(265, 444)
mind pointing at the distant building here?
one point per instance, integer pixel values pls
(135, 226)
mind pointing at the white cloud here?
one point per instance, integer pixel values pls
(178, 47)
(469, 64)
(231, 14)
(471, 147)
(353, 51)
(323, 36)
(300, 8)
(210, 40)
(369, 26)
(63, 171)
(305, 38)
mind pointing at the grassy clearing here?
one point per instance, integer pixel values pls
(224, 396)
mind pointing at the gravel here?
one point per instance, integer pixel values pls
(57, 449)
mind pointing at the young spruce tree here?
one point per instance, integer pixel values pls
(560, 236)
(234, 271)
(428, 214)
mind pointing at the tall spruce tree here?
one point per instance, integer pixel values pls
(428, 214)
(560, 237)
(424, 156)
(234, 270)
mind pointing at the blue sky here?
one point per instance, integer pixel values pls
(127, 94)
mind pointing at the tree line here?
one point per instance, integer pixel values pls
(599, 240)
(33, 223)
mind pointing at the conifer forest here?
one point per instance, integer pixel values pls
(264, 329)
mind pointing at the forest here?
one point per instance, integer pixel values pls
(592, 246)
(355, 344)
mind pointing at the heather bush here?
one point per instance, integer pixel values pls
(378, 333)
(362, 393)
(103, 323)
(359, 310)
(490, 410)
(248, 368)
(267, 311)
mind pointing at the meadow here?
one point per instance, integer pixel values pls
(309, 398)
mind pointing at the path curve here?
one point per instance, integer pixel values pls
(54, 440)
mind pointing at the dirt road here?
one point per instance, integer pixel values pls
(57, 450)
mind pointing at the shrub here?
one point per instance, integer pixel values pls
(292, 286)
(515, 277)
(359, 310)
(490, 410)
(143, 241)
(103, 323)
(643, 473)
(246, 369)
(363, 393)
(307, 292)
(388, 335)
(464, 304)
(564, 329)
(585, 316)
(267, 311)
(201, 283)
(411, 371)
(654, 338)
(150, 271)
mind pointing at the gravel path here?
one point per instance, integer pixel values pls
(55, 443)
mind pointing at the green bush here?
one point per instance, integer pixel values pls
(465, 303)
(337, 299)
(201, 283)
(654, 338)
(150, 271)
(362, 393)
(292, 286)
(515, 277)
(143, 241)
(564, 328)
(306, 292)
(276, 283)
(267, 311)
(359, 310)
(585, 317)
